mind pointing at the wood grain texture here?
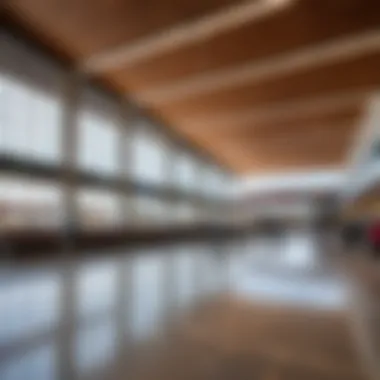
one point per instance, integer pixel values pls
(80, 29)
(298, 26)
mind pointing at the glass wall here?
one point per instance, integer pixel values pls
(26, 203)
(74, 307)
(99, 208)
(98, 134)
(116, 150)
(30, 105)
(148, 155)
(186, 172)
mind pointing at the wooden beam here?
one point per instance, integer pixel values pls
(281, 111)
(313, 146)
(339, 49)
(317, 132)
(188, 33)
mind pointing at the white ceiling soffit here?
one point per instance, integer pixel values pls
(323, 180)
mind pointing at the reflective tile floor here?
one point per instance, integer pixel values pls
(261, 308)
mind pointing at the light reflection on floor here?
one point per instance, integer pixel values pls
(288, 270)
(31, 300)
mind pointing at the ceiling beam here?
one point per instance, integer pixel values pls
(312, 132)
(281, 111)
(255, 71)
(178, 36)
(271, 164)
(301, 146)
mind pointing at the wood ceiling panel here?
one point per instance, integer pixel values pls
(86, 27)
(296, 135)
(291, 154)
(214, 118)
(340, 118)
(356, 75)
(288, 372)
(275, 163)
(297, 26)
(314, 145)
(297, 151)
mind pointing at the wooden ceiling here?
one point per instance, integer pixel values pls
(263, 86)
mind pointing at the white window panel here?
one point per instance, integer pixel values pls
(16, 124)
(30, 105)
(45, 140)
(213, 181)
(168, 211)
(99, 208)
(29, 305)
(151, 210)
(186, 212)
(29, 204)
(220, 183)
(148, 156)
(39, 363)
(98, 143)
(95, 346)
(96, 288)
(154, 210)
(4, 107)
(186, 172)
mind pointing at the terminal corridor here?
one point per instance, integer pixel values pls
(189, 190)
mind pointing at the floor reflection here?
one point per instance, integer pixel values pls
(96, 287)
(95, 346)
(292, 273)
(39, 363)
(29, 304)
(32, 300)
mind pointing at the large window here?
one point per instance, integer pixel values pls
(152, 210)
(30, 105)
(213, 182)
(148, 153)
(99, 208)
(98, 134)
(28, 204)
(186, 172)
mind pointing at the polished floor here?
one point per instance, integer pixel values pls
(262, 308)
(237, 339)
